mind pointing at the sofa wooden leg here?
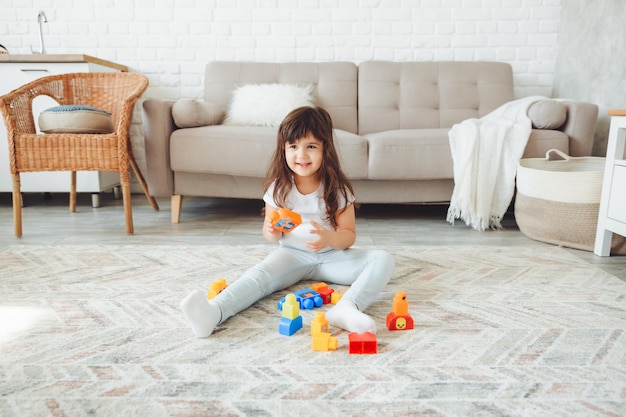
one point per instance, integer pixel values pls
(177, 205)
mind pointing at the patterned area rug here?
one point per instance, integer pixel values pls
(520, 331)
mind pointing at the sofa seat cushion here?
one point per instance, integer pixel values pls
(409, 154)
(247, 150)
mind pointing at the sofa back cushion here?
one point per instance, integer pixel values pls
(429, 95)
(334, 84)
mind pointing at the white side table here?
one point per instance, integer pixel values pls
(612, 215)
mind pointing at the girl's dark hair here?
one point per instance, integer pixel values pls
(296, 125)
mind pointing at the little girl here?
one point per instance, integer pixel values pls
(304, 176)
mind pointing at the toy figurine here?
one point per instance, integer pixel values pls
(399, 318)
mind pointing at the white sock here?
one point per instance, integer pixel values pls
(202, 314)
(346, 316)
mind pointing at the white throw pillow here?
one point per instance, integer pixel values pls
(266, 104)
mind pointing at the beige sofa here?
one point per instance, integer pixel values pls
(391, 122)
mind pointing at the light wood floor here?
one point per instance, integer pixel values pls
(47, 221)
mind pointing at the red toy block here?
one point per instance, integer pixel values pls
(399, 322)
(285, 220)
(326, 294)
(362, 343)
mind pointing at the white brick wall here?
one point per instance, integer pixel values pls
(171, 40)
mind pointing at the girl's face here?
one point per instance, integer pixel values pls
(304, 156)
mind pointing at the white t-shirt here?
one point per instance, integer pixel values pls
(309, 207)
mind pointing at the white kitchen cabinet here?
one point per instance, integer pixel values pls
(612, 215)
(17, 70)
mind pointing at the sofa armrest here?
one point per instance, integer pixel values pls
(158, 126)
(580, 126)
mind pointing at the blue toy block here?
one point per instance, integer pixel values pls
(287, 327)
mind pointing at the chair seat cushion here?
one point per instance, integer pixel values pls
(75, 119)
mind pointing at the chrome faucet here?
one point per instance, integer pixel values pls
(41, 19)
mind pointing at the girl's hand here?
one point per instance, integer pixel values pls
(324, 237)
(341, 238)
(270, 233)
(269, 226)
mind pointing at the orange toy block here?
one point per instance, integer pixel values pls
(216, 287)
(319, 285)
(362, 343)
(285, 220)
(399, 318)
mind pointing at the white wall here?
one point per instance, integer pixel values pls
(591, 64)
(171, 40)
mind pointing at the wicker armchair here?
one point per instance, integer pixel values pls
(115, 92)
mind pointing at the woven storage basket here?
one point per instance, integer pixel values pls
(558, 201)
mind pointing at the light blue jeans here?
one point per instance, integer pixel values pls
(367, 271)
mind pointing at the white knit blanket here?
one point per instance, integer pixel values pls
(485, 153)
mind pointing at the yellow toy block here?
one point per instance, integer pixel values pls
(324, 342)
(216, 287)
(291, 308)
(335, 297)
(319, 324)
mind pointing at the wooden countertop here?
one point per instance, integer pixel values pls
(617, 112)
(55, 58)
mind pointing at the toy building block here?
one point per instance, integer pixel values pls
(399, 318)
(307, 299)
(336, 296)
(323, 290)
(319, 324)
(216, 287)
(290, 307)
(287, 327)
(285, 220)
(318, 286)
(400, 305)
(362, 343)
(321, 339)
(326, 294)
(291, 321)
(324, 342)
